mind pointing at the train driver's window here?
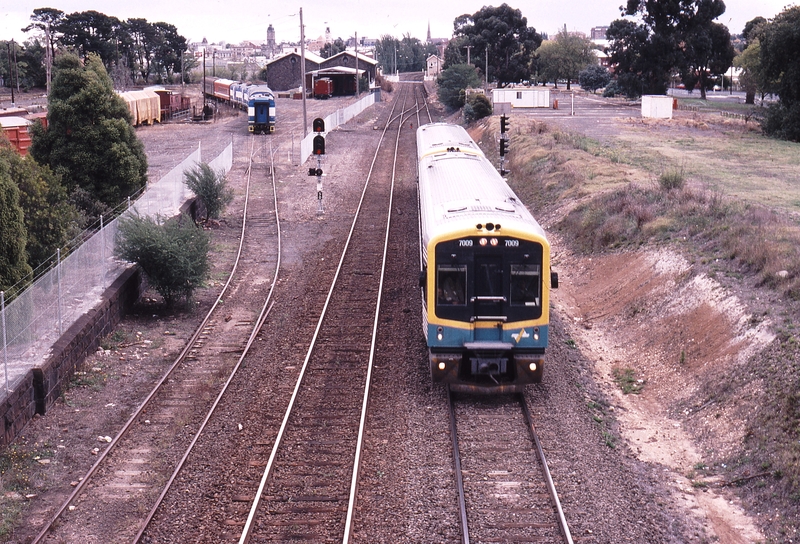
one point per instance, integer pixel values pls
(451, 285)
(525, 284)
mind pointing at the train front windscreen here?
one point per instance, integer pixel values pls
(489, 278)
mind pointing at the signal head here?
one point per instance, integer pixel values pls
(319, 145)
(503, 146)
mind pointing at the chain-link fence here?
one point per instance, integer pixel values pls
(36, 319)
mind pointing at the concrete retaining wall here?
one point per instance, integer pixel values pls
(42, 386)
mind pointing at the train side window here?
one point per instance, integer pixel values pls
(526, 284)
(451, 285)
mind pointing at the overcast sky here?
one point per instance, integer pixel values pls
(219, 20)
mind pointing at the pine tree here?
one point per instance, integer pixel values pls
(89, 141)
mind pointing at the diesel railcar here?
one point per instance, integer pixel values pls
(485, 276)
(257, 100)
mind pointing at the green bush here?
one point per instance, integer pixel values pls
(477, 107)
(611, 90)
(173, 254)
(672, 179)
(452, 83)
(210, 187)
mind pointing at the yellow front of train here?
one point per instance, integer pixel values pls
(486, 270)
(487, 296)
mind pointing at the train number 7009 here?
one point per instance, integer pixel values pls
(512, 243)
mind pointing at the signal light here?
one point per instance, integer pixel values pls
(503, 146)
(319, 125)
(315, 171)
(319, 145)
(504, 123)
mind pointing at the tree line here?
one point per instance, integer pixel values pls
(653, 44)
(133, 51)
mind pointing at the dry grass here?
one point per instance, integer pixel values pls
(730, 199)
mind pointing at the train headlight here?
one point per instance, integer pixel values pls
(442, 365)
(536, 336)
(532, 366)
(439, 334)
(493, 241)
(484, 241)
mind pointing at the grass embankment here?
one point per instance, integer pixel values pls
(728, 199)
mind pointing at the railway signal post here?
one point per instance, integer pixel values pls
(504, 141)
(318, 150)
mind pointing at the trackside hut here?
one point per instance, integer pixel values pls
(522, 97)
(283, 73)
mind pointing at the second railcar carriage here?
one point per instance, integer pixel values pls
(486, 275)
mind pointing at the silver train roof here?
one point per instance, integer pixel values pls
(457, 182)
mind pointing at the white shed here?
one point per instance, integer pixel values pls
(522, 97)
(657, 106)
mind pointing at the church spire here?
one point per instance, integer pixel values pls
(429, 31)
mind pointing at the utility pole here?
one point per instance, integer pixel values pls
(357, 65)
(48, 56)
(486, 73)
(468, 47)
(303, 72)
(10, 73)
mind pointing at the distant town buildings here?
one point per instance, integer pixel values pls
(283, 57)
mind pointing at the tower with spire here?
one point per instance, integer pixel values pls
(429, 32)
(271, 45)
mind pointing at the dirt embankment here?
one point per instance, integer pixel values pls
(672, 335)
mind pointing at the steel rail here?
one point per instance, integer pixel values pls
(267, 307)
(248, 527)
(348, 527)
(138, 411)
(462, 501)
(562, 520)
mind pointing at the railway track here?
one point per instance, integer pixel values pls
(132, 473)
(505, 490)
(307, 490)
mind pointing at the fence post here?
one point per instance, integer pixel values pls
(103, 250)
(5, 347)
(58, 275)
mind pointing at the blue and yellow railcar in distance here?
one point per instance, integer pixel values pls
(258, 100)
(485, 276)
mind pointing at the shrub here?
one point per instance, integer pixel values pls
(452, 83)
(594, 77)
(672, 179)
(210, 187)
(173, 254)
(477, 107)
